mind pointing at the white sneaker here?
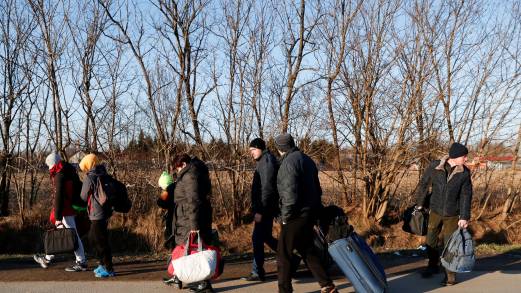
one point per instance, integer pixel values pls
(44, 263)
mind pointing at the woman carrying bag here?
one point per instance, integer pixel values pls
(193, 212)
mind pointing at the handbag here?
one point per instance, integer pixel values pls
(198, 262)
(415, 221)
(60, 240)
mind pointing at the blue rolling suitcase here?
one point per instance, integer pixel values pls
(359, 264)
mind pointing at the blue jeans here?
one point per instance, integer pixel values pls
(262, 234)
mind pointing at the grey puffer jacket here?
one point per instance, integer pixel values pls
(192, 210)
(89, 194)
(264, 195)
(451, 194)
(298, 186)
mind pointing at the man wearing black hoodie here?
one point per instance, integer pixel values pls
(264, 201)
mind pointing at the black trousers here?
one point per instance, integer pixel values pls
(262, 233)
(298, 234)
(99, 241)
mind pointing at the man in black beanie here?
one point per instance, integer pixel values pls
(300, 201)
(264, 201)
(449, 202)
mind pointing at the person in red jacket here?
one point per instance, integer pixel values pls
(64, 185)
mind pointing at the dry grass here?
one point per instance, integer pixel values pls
(142, 230)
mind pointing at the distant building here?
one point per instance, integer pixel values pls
(492, 163)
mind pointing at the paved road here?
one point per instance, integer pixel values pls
(474, 282)
(493, 274)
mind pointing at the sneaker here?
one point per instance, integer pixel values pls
(171, 281)
(103, 273)
(77, 267)
(97, 269)
(44, 263)
(329, 289)
(202, 287)
(252, 277)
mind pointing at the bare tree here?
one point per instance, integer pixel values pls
(334, 31)
(296, 44)
(16, 61)
(86, 29)
(53, 37)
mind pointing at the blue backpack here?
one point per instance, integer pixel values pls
(458, 254)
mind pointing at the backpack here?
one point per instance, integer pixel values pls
(458, 254)
(333, 222)
(113, 194)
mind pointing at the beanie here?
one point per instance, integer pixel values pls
(258, 143)
(164, 180)
(284, 142)
(52, 159)
(88, 162)
(457, 150)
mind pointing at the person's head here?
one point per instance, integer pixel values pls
(284, 143)
(88, 162)
(52, 159)
(457, 154)
(257, 146)
(180, 162)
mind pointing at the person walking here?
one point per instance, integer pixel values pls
(99, 215)
(193, 212)
(449, 203)
(264, 201)
(65, 184)
(300, 195)
(166, 202)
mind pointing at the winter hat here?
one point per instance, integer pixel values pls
(258, 143)
(284, 142)
(52, 159)
(457, 150)
(88, 162)
(164, 180)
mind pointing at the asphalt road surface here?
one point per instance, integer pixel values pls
(499, 273)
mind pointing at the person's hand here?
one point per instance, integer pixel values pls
(463, 224)
(164, 195)
(257, 218)
(58, 223)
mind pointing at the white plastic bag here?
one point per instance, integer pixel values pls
(195, 267)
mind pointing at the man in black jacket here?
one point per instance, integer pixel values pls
(300, 201)
(451, 194)
(264, 201)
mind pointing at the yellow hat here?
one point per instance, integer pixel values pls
(88, 162)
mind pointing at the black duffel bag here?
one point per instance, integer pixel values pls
(61, 240)
(415, 221)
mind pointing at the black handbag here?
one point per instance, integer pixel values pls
(62, 240)
(415, 221)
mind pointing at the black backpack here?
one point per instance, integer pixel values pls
(113, 194)
(333, 222)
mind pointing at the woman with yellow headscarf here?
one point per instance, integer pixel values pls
(98, 215)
